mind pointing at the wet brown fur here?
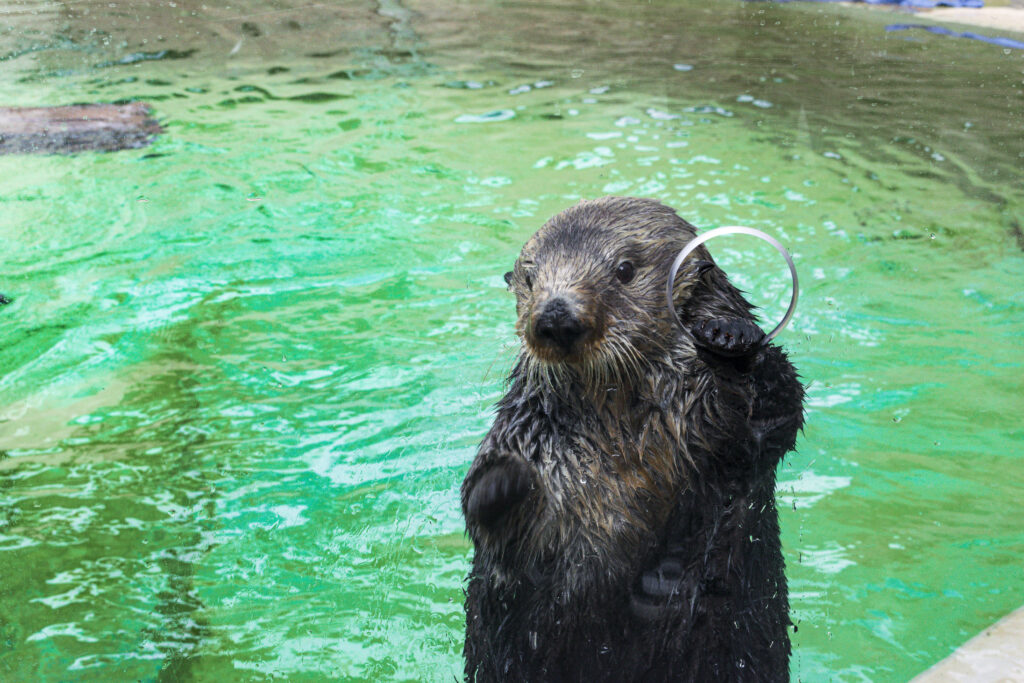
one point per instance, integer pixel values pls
(632, 444)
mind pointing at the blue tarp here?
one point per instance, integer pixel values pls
(913, 4)
(927, 4)
(1002, 42)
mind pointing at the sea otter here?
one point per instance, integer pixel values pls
(622, 505)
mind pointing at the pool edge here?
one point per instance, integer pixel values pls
(995, 654)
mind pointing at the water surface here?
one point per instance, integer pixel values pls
(246, 368)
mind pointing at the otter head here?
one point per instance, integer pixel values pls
(590, 287)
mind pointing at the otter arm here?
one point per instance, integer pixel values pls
(492, 488)
(734, 350)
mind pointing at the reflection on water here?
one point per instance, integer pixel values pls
(245, 369)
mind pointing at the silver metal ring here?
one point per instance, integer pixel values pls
(733, 230)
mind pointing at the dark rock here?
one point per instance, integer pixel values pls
(76, 128)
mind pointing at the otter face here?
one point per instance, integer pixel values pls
(590, 284)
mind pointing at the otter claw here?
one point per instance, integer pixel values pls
(728, 337)
(663, 581)
(497, 491)
(658, 590)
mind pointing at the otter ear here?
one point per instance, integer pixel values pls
(703, 267)
(699, 268)
(508, 278)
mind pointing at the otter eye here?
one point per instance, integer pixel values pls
(625, 272)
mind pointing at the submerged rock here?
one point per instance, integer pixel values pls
(76, 128)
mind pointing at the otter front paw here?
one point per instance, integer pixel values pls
(728, 337)
(657, 589)
(497, 491)
(665, 590)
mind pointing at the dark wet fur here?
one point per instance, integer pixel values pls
(622, 505)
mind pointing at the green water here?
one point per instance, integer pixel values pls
(246, 369)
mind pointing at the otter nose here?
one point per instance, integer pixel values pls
(559, 326)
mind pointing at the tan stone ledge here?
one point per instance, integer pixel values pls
(996, 655)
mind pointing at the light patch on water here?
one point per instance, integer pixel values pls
(496, 181)
(291, 515)
(69, 629)
(651, 187)
(61, 599)
(77, 519)
(764, 104)
(605, 136)
(93, 661)
(977, 297)
(383, 377)
(488, 117)
(721, 199)
(311, 377)
(248, 410)
(659, 115)
(599, 156)
(296, 654)
(164, 502)
(830, 560)
(617, 187)
(819, 396)
(881, 625)
(808, 488)
(15, 542)
(709, 109)
(865, 336)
